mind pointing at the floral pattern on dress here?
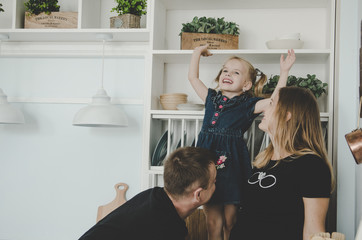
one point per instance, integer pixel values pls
(221, 162)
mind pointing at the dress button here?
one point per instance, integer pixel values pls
(216, 114)
(213, 122)
(220, 106)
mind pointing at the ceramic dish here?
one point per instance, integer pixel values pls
(190, 107)
(284, 44)
(160, 151)
(179, 142)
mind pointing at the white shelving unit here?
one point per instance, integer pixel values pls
(158, 41)
(93, 18)
(259, 21)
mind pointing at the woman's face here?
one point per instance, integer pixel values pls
(269, 122)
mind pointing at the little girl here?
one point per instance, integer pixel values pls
(229, 112)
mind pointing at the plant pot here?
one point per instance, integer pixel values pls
(125, 21)
(53, 20)
(215, 41)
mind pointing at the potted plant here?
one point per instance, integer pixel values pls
(1, 9)
(218, 33)
(46, 14)
(129, 13)
(38, 6)
(311, 82)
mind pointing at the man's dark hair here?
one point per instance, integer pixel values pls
(186, 166)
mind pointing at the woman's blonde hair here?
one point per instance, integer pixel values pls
(302, 133)
(253, 73)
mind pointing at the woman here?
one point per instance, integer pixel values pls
(288, 193)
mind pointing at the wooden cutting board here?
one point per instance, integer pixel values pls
(104, 210)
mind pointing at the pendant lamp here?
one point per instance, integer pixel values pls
(100, 112)
(8, 113)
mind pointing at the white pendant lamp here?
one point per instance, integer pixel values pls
(8, 113)
(100, 112)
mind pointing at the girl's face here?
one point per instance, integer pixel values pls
(234, 78)
(269, 122)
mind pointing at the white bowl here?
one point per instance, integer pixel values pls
(190, 107)
(295, 36)
(284, 44)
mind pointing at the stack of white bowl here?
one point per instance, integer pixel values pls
(286, 41)
(169, 101)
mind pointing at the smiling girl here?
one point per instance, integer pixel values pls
(229, 112)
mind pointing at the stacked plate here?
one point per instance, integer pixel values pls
(171, 100)
(190, 107)
(160, 151)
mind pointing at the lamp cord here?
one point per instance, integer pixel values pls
(103, 62)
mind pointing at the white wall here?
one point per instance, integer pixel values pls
(347, 101)
(53, 176)
(359, 167)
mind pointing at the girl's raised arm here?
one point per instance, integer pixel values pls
(285, 65)
(193, 76)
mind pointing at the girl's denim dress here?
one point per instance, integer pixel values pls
(224, 125)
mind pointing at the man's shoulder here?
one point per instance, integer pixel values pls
(151, 192)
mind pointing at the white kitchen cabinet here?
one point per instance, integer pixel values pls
(259, 21)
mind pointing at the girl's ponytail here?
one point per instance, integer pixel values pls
(258, 86)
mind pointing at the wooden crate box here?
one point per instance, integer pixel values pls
(215, 41)
(53, 20)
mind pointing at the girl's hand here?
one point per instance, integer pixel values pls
(203, 51)
(287, 63)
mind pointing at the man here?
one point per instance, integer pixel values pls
(159, 213)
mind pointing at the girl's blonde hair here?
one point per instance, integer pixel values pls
(302, 133)
(253, 73)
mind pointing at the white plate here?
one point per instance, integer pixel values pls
(190, 107)
(284, 44)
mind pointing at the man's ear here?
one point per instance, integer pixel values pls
(289, 116)
(197, 194)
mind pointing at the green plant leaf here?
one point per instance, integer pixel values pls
(210, 25)
(136, 7)
(39, 6)
(310, 82)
